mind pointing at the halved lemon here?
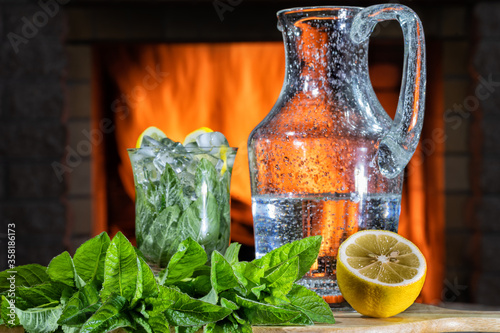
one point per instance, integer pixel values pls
(152, 132)
(380, 273)
(191, 137)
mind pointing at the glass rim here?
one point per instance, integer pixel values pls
(189, 152)
(304, 10)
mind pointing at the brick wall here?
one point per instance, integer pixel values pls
(486, 175)
(32, 131)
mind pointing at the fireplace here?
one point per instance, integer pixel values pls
(54, 207)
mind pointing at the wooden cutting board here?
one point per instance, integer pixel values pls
(417, 318)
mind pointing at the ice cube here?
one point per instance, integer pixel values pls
(148, 141)
(149, 172)
(191, 147)
(219, 165)
(162, 158)
(209, 140)
(166, 142)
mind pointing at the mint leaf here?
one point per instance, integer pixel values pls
(187, 329)
(149, 284)
(280, 281)
(158, 323)
(201, 221)
(170, 188)
(42, 294)
(257, 290)
(305, 249)
(228, 304)
(89, 258)
(196, 286)
(8, 312)
(222, 275)
(145, 214)
(248, 275)
(189, 256)
(205, 178)
(39, 320)
(187, 311)
(122, 270)
(224, 326)
(27, 275)
(160, 243)
(232, 252)
(257, 313)
(301, 319)
(108, 317)
(62, 269)
(211, 297)
(81, 306)
(141, 323)
(311, 304)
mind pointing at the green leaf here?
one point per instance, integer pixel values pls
(205, 178)
(81, 306)
(108, 317)
(248, 275)
(211, 297)
(39, 320)
(222, 275)
(189, 256)
(141, 324)
(257, 290)
(149, 284)
(145, 214)
(280, 281)
(232, 252)
(162, 240)
(301, 319)
(187, 311)
(305, 249)
(187, 329)
(89, 258)
(257, 313)
(201, 221)
(8, 312)
(69, 329)
(311, 304)
(158, 323)
(170, 187)
(228, 304)
(27, 275)
(39, 295)
(62, 269)
(122, 270)
(195, 287)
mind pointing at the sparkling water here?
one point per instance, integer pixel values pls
(283, 219)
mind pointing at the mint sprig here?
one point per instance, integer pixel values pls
(108, 285)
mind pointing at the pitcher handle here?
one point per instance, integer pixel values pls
(398, 145)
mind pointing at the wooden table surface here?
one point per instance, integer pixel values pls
(417, 318)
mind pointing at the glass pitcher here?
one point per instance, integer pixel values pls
(328, 160)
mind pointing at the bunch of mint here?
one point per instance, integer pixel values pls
(108, 285)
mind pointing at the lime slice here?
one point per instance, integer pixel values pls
(152, 132)
(191, 137)
(380, 273)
